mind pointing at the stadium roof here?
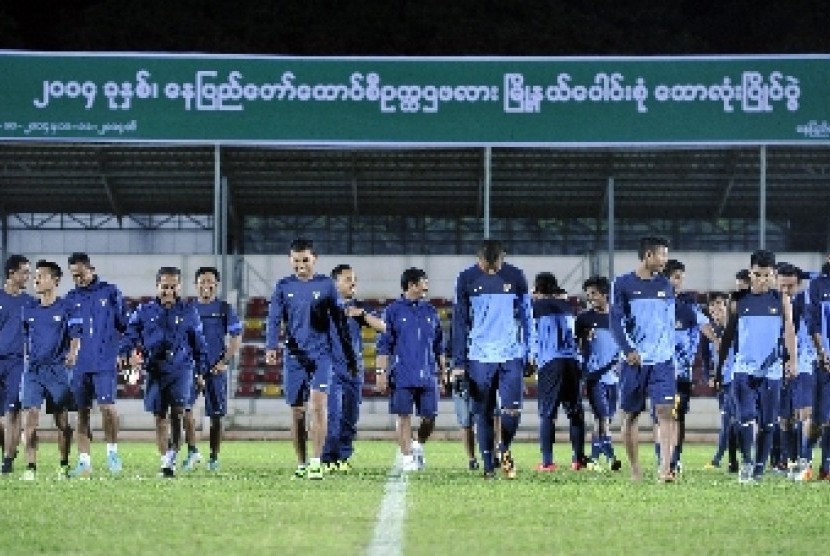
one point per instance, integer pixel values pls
(700, 183)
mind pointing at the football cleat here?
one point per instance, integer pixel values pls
(508, 466)
(542, 468)
(191, 461)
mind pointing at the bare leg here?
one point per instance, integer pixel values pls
(189, 421)
(82, 434)
(64, 435)
(319, 424)
(468, 439)
(629, 434)
(666, 429)
(176, 427)
(405, 434)
(109, 419)
(299, 435)
(161, 433)
(12, 435)
(425, 429)
(30, 434)
(215, 436)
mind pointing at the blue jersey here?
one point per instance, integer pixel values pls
(48, 331)
(689, 319)
(819, 312)
(807, 355)
(11, 330)
(492, 316)
(413, 341)
(219, 320)
(101, 307)
(711, 355)
(599, 349)
(354, 324)
(170, 338)
(642, 317)
(759, 333)
(309, 308)
(555, 335)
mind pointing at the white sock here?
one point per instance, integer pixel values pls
(314, 461)
(85, 459)
(112, 448)
(163, 460)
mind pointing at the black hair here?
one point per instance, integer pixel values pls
(600, 283)
(54, 268)
(491, 251)
(302, 244)
(545, 284)
(825, 268)
(673, 265)
(411, 275)
(762, 258)
(79, 257)
(14, 262)
(168, 271)
(206, 269)
(742, 275)
(717, 295)
(651, 243)
(787, 269)
(338, 270)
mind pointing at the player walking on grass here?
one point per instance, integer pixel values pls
(13, 298)
(761, 321)
(223, 336)
(558, 375)
(52, 334)
(689, 324)
(410, 362)
(728, 434)
(642, 321)
(168, 332)
(345, 389)
(101, 306)
(600, 359)
(306, 303)
(492, 332)
(819, 301)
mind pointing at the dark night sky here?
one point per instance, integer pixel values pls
(425, 27)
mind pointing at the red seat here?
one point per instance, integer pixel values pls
(271, 376)
(247, 391)
(256, 307)
(247, 376)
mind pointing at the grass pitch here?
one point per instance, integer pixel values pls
(252, 506)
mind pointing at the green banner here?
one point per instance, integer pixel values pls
(414, 101)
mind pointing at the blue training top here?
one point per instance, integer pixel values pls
(600, 351)
(492, 316)
(555, 334)
(689, 319)
(642, 316)
(807, 355)
(48, 331)
(758, 342)
(219, 319)
(11, 332)
(413, 341)
(101, 306)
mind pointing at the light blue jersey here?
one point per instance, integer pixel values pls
(600, 351)
(554, 321)
(760, 327)
(492, 316)
(689, 320)
(807, 355)
(642, 317)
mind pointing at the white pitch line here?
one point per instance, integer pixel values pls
(387, 539)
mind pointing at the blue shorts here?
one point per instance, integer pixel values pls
(425, 401)
(559, 384)
(166, 390)
(48, 382)
(488, 379)
(301, 375)
(216, 394)
(802, 390)
(602, 398)
(821, 407)
(656, 382)
(11, 370)
(96, 386)
(756, 399)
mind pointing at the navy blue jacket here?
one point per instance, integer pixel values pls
(100, 306)
(413, 341)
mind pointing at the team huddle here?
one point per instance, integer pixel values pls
(764, 347)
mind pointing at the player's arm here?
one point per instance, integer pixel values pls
(617, 319)
(366, 318)
(338, 317)
(460, 328)
(385, 347)
(233, 337)
(272, 325)
(789, 336)
(729, 333)
(814, 322)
